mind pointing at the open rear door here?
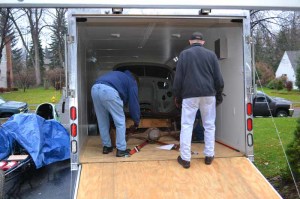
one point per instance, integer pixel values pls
(234, 177)
(155, 173)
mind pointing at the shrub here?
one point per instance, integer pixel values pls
(289, 85)
(293, 152)
(55, 77)
(271, 84)
(277, 84)
(265, 72)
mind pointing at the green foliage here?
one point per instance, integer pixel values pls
(269, 157)
(277, 84)
(293, 152)
(32, 52)
(59, 30)
(17, 59)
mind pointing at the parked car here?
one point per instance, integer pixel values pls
(155, 89)
(265, 105)
(8, 108)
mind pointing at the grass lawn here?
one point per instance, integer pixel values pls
(33, 96)
(293, 96)
(269, 157)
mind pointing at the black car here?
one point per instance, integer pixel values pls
(265, 105)
(8, 108)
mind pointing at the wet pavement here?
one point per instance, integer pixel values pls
(49, 182)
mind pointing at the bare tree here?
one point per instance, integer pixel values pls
(274, 33)
(25, 78)
(35, 20)
(265, 21)
(6, 29)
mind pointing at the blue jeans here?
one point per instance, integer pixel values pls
(107, 102)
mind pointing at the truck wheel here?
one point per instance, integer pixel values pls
(2, 184)
(6, 115)
(281, 113)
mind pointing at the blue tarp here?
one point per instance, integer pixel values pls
(46, 141)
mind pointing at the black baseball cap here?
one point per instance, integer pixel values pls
(196, 36)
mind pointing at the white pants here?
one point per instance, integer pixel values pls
(190, 106)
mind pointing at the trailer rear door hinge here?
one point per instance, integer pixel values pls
(249, 40)
(70, 39)
(250, 90)
(71, 93)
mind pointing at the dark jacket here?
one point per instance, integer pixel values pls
(126, 86)
(197, 73)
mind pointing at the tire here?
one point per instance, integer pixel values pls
(2, 184)
(282, 113)
(6, 115)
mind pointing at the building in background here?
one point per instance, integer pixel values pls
(288, 66)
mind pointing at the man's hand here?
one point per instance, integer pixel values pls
(219, 98)
(133, 128)
(178, 102)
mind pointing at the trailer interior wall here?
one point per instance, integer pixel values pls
(104, 42)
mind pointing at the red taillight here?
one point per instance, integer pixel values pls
(73, 115)
(249, 109)
(73, 130)
(249, 124)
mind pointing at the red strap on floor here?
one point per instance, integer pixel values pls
(138, 147)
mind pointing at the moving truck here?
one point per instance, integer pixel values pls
(98, 41)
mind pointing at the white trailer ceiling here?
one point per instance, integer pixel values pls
(117, 40)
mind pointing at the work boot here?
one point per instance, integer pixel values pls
(124, 153)
(107, 149)
(184, 164)
(208, 159)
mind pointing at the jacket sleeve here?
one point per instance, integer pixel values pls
(218, 78)
(134, 106)
(177, 85)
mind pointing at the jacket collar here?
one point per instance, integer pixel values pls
(196, 44)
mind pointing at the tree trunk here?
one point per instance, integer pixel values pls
(37, 66)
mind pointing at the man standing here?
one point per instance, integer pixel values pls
(110, 93)
(198, 81)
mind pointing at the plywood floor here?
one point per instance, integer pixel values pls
(226, 178)
(92, 152)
